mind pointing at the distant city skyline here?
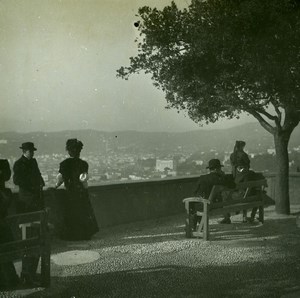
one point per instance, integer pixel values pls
(58, 61)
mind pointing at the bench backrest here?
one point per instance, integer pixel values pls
(250, 190)
(15, 222)
(30, 217)
(252, 184)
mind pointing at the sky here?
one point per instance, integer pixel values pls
(58, 62)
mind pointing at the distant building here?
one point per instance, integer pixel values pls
(133, 177)
(45, 177)
(271, 151)
(161, 165)
(172, 173)
(226, 157)
(181, 159)
(297, 149)
(147, 163)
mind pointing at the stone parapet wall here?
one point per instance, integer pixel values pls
(124, 202)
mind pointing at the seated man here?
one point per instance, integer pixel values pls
(206, 182)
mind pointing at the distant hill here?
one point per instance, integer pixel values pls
(257, 139)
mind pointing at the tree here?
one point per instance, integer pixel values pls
(219, 58)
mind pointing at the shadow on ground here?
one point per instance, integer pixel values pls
(272, 269)
(179, 281)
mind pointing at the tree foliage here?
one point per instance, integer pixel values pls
(217, 58)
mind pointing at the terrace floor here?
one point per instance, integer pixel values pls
(154, 259)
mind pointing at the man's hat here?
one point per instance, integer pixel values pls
(214, 164)
(28, 146)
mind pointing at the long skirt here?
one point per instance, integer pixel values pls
(79, 218)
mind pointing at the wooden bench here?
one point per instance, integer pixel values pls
(38, 245)
(239, 199)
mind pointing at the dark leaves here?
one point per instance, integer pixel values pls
(220, 57)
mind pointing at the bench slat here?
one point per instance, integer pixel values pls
(236, 201)
(236, 207)
(19, 244)
(25, 217)
(252, 184)
(195, 200)
(18, 254)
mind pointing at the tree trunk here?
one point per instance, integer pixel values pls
(281, 140)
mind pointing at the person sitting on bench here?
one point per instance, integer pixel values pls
(244, 174)
(206, 182)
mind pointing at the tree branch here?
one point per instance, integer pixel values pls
(267, 126)
(268, 115)
(276, 107)
(271, 117)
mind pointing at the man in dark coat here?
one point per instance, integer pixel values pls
(215, 177)
(29, 179)
(8, 275)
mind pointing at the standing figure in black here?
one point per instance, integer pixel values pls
(8, 275)
(80, 221)
(29, 179)
(239, 156)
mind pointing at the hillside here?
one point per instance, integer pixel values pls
(257, 139)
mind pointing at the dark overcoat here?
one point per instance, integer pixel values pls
(5, 193)
(5, 172)
(30, 181)
(206, 183)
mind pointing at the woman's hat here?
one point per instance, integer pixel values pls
(214, 164)
(28, 146)
(240, 143)
(74, 144)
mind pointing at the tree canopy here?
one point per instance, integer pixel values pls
(217, 58)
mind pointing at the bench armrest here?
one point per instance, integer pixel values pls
(195, 200)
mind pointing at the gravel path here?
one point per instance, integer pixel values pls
(154, 259)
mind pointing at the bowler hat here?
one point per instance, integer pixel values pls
(214, 164)
(28, 146)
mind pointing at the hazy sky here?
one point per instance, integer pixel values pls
(58, 61)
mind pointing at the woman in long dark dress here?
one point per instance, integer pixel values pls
(79, 217)
(239, 157)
